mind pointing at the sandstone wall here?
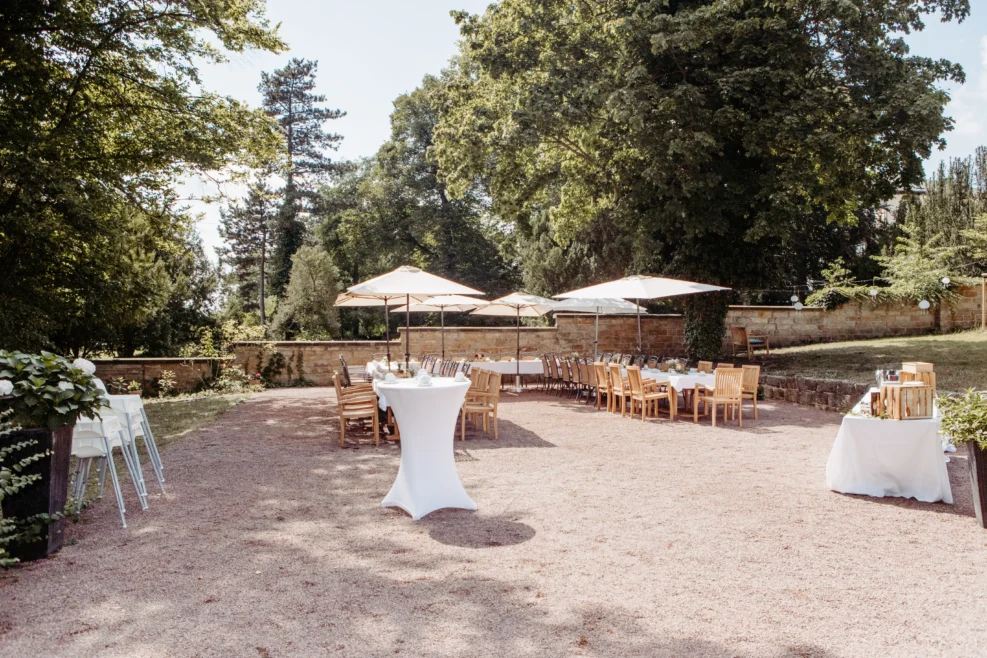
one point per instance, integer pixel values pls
(189, 373)
(313, 361)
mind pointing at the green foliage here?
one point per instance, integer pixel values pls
(840, 288)
(166, 383)
(247, 228)
(394, 209)
(13, 481)
(964, 419)
(731, 141)
(47, 390)
(916, 269)
(705, 324)
(274, 368)
(288, 98)
(103, 113)
(307, 311)
(955, 196)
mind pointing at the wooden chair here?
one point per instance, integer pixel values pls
(619, 388)
(602, 384)
(748, 343)
(483, 404)
(354, 406)
(625, 359)
(723, 365)
(605, 357)
(546, 371)
(589, 374)
(646, 393)
(653, 362)
(565, 380)
(705, 367)
(752, 375)
(727, 390)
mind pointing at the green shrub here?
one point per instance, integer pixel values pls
(705, 324)
(45, 390)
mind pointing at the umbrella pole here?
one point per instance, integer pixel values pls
(596, 337)
(387, 330)
(442, 321)
(639, 327)
(407, 330)
(517, 361)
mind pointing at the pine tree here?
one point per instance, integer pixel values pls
(247, 230)
(288, 98)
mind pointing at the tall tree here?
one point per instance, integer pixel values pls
(955, 196)
(308, 310)
(247, 230)
(712, 136)
(102, 113)
(289, 99)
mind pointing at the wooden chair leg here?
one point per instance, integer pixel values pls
(342, 431)
(740, 416)
(755, 406)
(496, 435)
(376, 429)
(462, 425)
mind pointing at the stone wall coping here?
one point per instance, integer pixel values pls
(776, 308)
(315, 342)
(163, 359)
(511, 329)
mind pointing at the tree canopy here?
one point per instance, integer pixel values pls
(101, 113)
(729, 141)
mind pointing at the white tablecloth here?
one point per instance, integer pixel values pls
(427, 479)
(876, 457)
(511, 367)
(680, 382)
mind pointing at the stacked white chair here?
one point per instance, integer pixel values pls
(96, 439)
(129, 410)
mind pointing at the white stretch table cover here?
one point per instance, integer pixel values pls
(880, 457)
(511, 367)
(395, 366)
(427, 479)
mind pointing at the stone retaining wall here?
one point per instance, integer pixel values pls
(190, 374)
(311, 361)
(828, 394)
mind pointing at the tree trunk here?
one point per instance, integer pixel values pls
(263, 254)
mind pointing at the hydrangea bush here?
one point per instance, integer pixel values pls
(46, 390)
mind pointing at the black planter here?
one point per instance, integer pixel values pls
(978, 476)
(46, 496)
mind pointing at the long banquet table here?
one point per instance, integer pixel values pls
(533, 367)
(679, 383)
(882, 457)
(427, 479)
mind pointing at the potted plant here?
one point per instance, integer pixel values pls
(43, 395)
(135, 388)
(255, 379)
(964, 420)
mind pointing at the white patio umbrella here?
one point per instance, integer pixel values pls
(346, 300)
(409, 282)
(518, 304)
(640, 287)
(443, 303)
(596, 306)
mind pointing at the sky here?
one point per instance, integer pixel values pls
(372, 51)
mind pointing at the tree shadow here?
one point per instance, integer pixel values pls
(511, 435)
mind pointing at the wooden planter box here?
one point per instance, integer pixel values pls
(978, 477)
(46, 496)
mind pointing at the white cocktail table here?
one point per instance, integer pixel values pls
(427, 479)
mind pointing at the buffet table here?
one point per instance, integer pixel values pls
(880, 457)
(533, 367)
(427, 479)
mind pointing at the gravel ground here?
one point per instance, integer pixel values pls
(596, 536)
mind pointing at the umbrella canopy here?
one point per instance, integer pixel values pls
(641, 287)
(441, 304)
(347, 300)
(596, 305)
(408, 282)
(518, 304)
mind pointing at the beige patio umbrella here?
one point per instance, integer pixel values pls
(411, 283)
(640, 287)
(346, 300)
(442, 303)
(518, 304)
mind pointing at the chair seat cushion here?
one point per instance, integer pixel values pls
(755, 341)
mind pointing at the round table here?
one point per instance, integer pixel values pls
(427, 479)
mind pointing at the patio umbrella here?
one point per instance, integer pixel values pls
(443, 303)
(409, 282)
(518, 304)
(640, 287)
(347, 300)
(596, 306)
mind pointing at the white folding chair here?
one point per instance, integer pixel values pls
(129, 410)
(96, 439)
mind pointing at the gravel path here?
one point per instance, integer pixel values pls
(596, 536)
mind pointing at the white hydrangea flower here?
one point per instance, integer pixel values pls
(65, 386)
(6, 387)
(85, 365)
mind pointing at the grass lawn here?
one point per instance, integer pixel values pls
(172, 419)
(960, 359)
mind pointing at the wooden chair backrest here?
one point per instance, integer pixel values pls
(634, 378)
(475, 379)
(663, 366)
(752, 375)
(493, 387)
(738, 335)
(600, 369)
(564, 370)
(616, 378)
(725, 365)
(605, 357)
(653, 362)
(577, 371)
(625, 360)
(589, 372)
(705, 366)
(729, 383)
(339, 388)
(546, 370)
(346, 372)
